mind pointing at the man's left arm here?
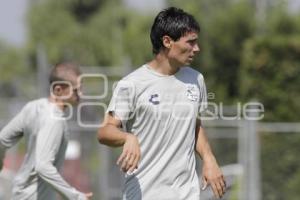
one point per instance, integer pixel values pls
(211, 172)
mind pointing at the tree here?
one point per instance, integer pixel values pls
(106, 35)
(270, 73)
(68, 33)
(13, 69)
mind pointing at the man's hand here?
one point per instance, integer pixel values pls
(128, 160)
(213, 176)
(88, 195)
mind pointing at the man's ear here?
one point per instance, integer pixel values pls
(57, 90)
(167, 41)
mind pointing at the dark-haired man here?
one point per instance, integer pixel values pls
(41, 122)
(157, 107)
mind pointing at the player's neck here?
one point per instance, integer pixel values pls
(59, 103)
(162, 65)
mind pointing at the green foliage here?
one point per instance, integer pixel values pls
(105, 37)
(224, 41)
(50, 25)
(280, 22)
(137, 44)
(270, 74)
(280, 166)
(13, 68)
(10, 63)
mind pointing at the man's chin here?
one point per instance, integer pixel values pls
(187, 63)
(74, 103)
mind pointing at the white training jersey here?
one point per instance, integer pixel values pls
(42, 125)
(161, 111)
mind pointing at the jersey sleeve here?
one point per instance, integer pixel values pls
(12, 132)
(122, 101)
(49, 140)
(202, 94)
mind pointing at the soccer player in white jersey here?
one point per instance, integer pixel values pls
(42, 124)
(153, 115)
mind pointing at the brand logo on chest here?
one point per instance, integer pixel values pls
(154, 99)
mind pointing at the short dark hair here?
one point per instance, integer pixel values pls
(173, 22)
(61, 71)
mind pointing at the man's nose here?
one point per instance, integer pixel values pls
(196, 48)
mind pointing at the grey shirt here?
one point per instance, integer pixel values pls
(161, 111)
(42, 125)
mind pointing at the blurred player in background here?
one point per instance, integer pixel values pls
(41, 122)
(153, 115)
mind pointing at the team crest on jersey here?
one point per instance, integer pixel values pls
(192, 93)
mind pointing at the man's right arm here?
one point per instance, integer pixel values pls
(110, 134)
(1, 159)
(11, 134)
